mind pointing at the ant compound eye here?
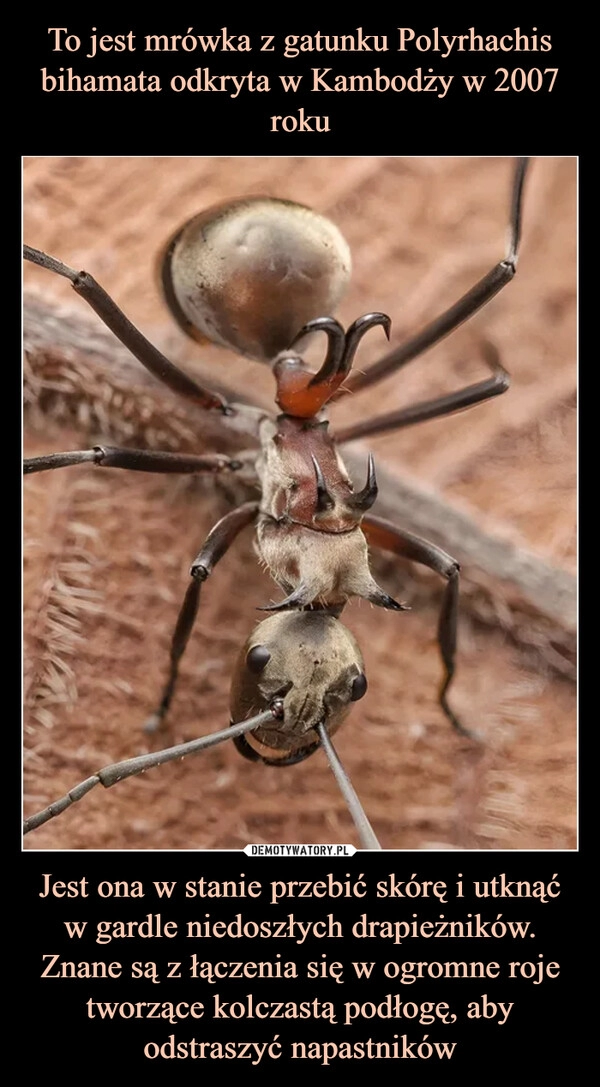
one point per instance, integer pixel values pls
(359, 687)
(257, 658)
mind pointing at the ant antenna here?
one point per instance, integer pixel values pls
(362, 824)
(117, 771)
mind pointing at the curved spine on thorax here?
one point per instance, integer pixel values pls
(308, 531)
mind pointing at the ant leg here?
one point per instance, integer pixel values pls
(473, 300)
(433, 409)
(136, 460)
(218, 541)
(388, 537)
(114, 318)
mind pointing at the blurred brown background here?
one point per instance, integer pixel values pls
(108, 552)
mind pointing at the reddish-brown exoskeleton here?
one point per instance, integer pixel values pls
(258, 275)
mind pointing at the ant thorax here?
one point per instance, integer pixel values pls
(308, 530)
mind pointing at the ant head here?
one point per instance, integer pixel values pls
(310, 663)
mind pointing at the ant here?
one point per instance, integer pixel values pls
(258, 276)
